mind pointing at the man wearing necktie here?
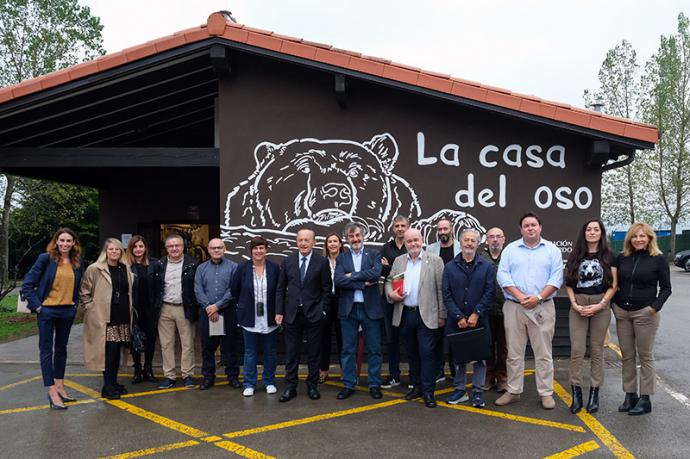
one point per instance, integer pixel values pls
(304, 289)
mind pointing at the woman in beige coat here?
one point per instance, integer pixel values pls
(106, 295)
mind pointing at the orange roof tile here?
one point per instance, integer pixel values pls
(218, 25)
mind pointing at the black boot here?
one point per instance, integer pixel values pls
(593, 402)
(576, 405)
(643, 406)
(138, 376)
(629, 402)
(148, 374)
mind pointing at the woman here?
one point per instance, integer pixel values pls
(644, 285)
(254, 285)
(332, 248)
(145, 315)
(106, 294)
(51, 289)
(590, 281)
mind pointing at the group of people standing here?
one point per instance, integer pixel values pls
(446, 289)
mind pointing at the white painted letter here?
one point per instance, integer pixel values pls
(560, 159)
(563, 200)
(421, 160)
(537, 197)
(578, 199)
(468, 193)
(501, 190)
(532, 159)
(482, 156)
(455, 160)
(517, 162)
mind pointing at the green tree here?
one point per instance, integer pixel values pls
(38, 37)
(667, 105)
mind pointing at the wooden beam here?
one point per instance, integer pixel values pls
(28, 157)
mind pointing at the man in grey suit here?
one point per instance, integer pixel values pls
(419, 307)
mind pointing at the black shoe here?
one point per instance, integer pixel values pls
(643, 406)
(167, 383)
(189, 382)
(593, 402)
(111, 393)
(138, 376)
(54, 406)
(148, 374)
(413, 393)
(375, 392)
(630, 401)
(576, 404)
(429, 401)
(234, 382)
(440, 377)
(206, 384)
(288, 395)
(391, 382)
(314, 393)
(345, 393)
(67, 399)
(122, 390)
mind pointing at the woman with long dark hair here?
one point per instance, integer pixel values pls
(332, 247)
(644, 285)
(590, 280)
(51, 289)
(145, 315)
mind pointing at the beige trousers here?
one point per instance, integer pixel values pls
(520, 329)
(597, 326)
(636, 332)
(172, 318)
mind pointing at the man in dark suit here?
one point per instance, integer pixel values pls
(304, 289)
(357, 273)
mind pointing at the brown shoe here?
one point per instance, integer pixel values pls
(547, 402)
(501, 387)
(507, 399)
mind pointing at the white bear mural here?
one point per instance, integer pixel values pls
(322, 184)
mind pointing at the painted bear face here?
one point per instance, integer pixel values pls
(591, 273)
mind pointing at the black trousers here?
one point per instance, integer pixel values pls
(293, 348)
(227, 343)
(330, 320)
(149, 325)
(112, 363)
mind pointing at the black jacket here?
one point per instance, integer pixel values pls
(643, 280)
(390, 252)
(191, 307)
(314, 293)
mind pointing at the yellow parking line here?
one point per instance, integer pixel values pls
(595, 426)
(160, 420)
(241, 450)
(154, 450)
(82, 389)
(41, 407)
(155, 392)
(363, 389)
(513, 417)
(575, 451)
(310, 419)
(615, 349)
(18, 383)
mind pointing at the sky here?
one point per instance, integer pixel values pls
(550, 49)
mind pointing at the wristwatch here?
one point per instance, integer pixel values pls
(541, 300)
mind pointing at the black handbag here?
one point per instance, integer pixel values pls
(470, 345)
(138, 337)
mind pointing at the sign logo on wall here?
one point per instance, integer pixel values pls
(323, 184)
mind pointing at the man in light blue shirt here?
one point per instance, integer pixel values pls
(530, 273)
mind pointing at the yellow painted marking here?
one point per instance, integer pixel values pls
(154, 450)
(156, 392)
(42, 407)
(615, 349)
(310, 419)
(363, 389)
(595, 426)
(18, 383)
(82, 389)
(212, 438)
(242, 450)
(575, 451)
(163, 421)
(513, 417)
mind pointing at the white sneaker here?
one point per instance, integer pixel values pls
(271, 389)
(248, 391)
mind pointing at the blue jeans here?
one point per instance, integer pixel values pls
(478, 376)
(392, 340)
(251, 352)
(54, 326)
(420, 342)
(372, 337)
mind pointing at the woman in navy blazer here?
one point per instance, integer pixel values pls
(254, 286)
(51, 289)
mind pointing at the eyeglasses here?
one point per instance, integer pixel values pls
(495, 237)
(170, 246)
(217, 248)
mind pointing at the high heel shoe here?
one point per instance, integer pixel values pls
(576, 405)
(67, 398)
(54, 406)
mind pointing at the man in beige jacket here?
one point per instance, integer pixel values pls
(419, 311)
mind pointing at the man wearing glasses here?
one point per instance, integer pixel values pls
(496, 375)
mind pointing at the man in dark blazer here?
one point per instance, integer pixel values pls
(357, 274)
(304, 289)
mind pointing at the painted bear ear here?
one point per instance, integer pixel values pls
(385, 149)
(263, 153)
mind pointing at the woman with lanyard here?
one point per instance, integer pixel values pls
(106, 294)
(254, 285)
(331, 249)
(51, 289)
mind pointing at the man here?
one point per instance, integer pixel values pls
(447, 248)
(469, 284)
(530, 273)
(419, 309)
(392, 250)
(173, 296)
(496, 365)
(304, 289)
(357, 274)
(212, 290)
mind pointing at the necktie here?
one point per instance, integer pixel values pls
(303, 269)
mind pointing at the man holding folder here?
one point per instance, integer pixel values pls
(414, 286)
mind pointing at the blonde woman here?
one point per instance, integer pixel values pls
(644, 285)
(106, 295)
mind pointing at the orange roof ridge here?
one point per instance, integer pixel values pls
(218, 25)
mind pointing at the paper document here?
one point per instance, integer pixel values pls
(217, 328)
(536, 315)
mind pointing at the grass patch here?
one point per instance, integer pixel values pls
(14, 325)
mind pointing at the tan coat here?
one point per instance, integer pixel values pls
(431, 305)
(95, 294)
